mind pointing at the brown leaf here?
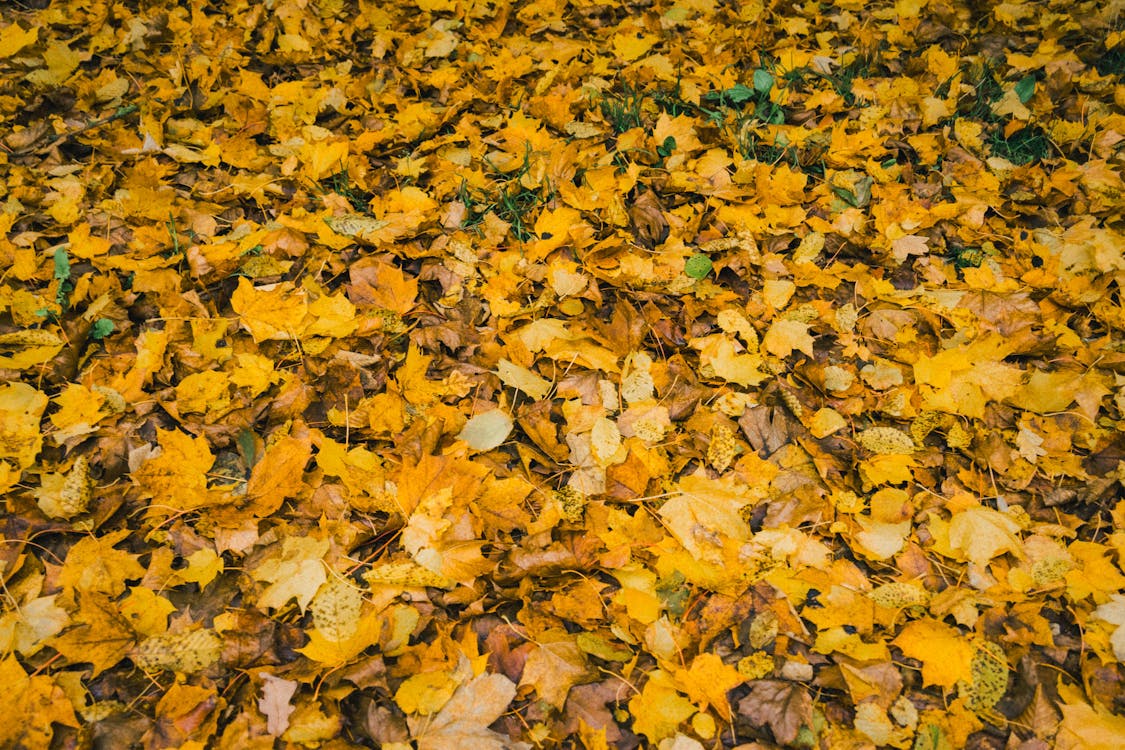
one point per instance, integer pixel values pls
(784, 706)
(276, 702)
(588, 703)
(766, 429)
(648, 219)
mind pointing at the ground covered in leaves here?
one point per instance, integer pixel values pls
(452, 374)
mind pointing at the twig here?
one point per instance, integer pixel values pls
(120, 113)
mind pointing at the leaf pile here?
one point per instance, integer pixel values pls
(455, 373)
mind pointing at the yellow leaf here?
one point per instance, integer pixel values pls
(486, 431)
(146, 611)
(463, 721)
(32, 347)
(416, 387)
(100, 635)
(979, 534)
(785, 336)
(61, 62)
(386, 287)
(323, 648)
(294, 570)
(203, 566)
(253, 372)
(14, 38)
(82, 245)
(705, 515)
(720, 358)
(825, 422)
(406, 574)
(79, 411)
(708, 681)
(630, 45)
(177, 476)
(331, 315)
(94, 564)
(274, 313)
(151, 346)
(605, 442)
(515, 376)
(946, 654)
(322, 158)
(889, 469)
(1086, 727)
(425, 693)
(886, 441)
(21, 407)
(203, 392)
(31, 705)
(279, 475)
(553, 228)
(659, 709)
(66, 495)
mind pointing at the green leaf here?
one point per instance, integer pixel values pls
(62, 265)
(698, 266)
(763, 81)
(737, 94)
(102, 327)
(1025, 89)
(666, 148)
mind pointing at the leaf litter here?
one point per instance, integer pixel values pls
(676, 374)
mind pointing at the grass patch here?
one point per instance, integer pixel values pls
(622, 110)
(510, 201)
(1024, 146)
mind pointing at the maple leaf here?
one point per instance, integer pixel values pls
(659, 709)
(552, 669)
(293, 570)
(331, 646)
(276, 313)
(93, 564)
(463, 721)
(979, 534)
(708, 681)
(177, 475)
(100, 635)
(277, 475)
(34, 703)
(945, 653)
(1089, 728)
(426, 693)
